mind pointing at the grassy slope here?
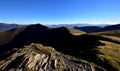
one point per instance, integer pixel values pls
(7, 36)
(108, 55)
(76, 32)
(53, 53)
(109, 33)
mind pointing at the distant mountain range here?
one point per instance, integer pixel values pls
(5, 26)
(76, 25)
(90, 29)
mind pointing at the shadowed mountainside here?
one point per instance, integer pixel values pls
(88, 29)
(106, 55)
(89, 47)
(111, 27)
(39, 34)
(36, 57)
(7, 36)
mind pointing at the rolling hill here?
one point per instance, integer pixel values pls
(88, 29)
(7, 36)
(37, 34)
(95, 48)
(108, 33)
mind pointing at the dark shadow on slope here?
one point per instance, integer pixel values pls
(91, 56)
(15, 63)
(30, 34)
(7, 36)
(88, 29)
(108, 28)
(59, 38)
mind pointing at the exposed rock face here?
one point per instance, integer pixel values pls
(38, 58)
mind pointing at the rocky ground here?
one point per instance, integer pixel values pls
(36, 57)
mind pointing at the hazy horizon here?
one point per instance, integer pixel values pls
(63, 23)
(53, 12)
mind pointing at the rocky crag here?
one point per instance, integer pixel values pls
(37, 57)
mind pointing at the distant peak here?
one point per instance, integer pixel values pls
(38, 26)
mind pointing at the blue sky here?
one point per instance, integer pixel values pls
(60, 11)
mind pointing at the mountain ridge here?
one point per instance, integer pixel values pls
(43, 58)
(5, 26)
(91, 29)
(90, 47)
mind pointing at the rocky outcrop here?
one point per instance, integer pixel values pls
(36, 57)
